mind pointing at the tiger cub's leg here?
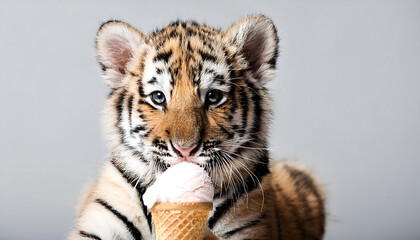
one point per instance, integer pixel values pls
(300, 202)
(112, 209)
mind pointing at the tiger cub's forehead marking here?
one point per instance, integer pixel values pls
(156, 77)
(185, 56)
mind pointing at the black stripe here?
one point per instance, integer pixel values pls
(89, 235)
(160, 144)
(130, 109)
(140, 190)
(243, 227)
(244, 105)
(258, 112)
(207, 56)
(163, 56)
(130, 178)
(129, 225)
(273, 60)
(138, 128)
(210, 71)
(152, 81)
(232, 95)
(145, 211)
(141, 115)
(189, 44)
(220, 79)
(161, 154)
(135, 152)
(119, 105)
(219, 211)
(303, 182)
(119, 109)
(290, 206)
(146, 134)
(173, 34)
(141, 91)
(250, 184)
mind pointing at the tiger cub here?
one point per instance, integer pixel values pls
(188, 92)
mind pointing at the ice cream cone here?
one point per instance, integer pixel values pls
(180, 221)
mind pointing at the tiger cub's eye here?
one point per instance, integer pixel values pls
(158, 97)
(214, 96)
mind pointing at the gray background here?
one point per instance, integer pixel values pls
(347, 96)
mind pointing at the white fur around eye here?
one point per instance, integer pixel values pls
(209, 82)
(162, 81)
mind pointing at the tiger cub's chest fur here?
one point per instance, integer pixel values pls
(189, 92)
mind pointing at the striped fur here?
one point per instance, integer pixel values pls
(189, 64)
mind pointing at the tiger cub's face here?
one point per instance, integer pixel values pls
(188, 92)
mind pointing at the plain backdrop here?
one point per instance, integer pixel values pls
(346, 104)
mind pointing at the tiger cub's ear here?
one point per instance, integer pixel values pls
(256, 38)
(117, 44)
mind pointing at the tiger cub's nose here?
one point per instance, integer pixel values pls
(184, 152)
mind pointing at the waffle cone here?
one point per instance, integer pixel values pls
(180, 221)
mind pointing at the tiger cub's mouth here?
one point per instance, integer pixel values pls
(203, 154)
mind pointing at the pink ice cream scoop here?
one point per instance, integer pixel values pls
(183, 182)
